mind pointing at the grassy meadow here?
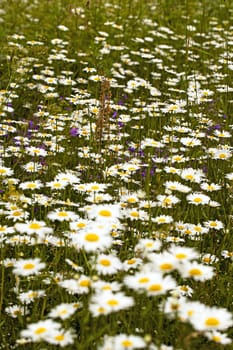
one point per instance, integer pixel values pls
(116, 177)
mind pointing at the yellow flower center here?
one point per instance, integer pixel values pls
(131, 261)
(222, 155)
(81, 225)
(60, 337)
(181, 256)
(197, 200)
(166, 266)
(167, 201)
(126, 343)
(31, 185)
(84, 283)
(101, 310)
(212, 322)
(94, 187)
(161, 220)
(213, 224)
(155, 288)
(216, 338)
(131, 200)
(106, 288)
(62, 214)
(105, 213)
(144, 280)
(105, 262)
(113, 302)
(184, 288)
(35, 226)
(195, 272)
(134, 214)
(29, 266)
(92, 237)
(57, 184)
(63, 312)
(40, 330)
(189, 177)
(17, 213)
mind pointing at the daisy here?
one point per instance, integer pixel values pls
(209, 259)
(192, 175)
(183, 254)
(147, 245)
(62, 215)
(214, 224)
(36, 151)
(190, 141)
(211, 319)
(139, 281)
(30, 227)
(68, 176)
(129, 198)
(57, 184)
(6, 230)
(60, 337)
(97, 198)
(164, 262)
(210, 187)
(197, 198)
(159, 285)
(32, 167)
(172, 305)
(187, 309)
(78, 224)
(136, 214)
(96, 187)
(132, 263)
(162, 219)
(183, 291)
(17, 214)
(63, 311)
(220, 154)
(40, 330)
(111, 302)
(31, 185)
(16, 310)
(196, 271)
(199, 229)
(129, 342)
(217, 337)
(178, 158)
(93, 238)
(5, 171)
(167, 201)
(176, 186)
(222, 133)
(80, 286)
(229, 176)
(171, 170)
(26, 267)
(226, 254)
(105, 213)
(29, 296)
(101, 285)
(108, 264)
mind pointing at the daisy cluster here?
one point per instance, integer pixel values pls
(116, 176)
